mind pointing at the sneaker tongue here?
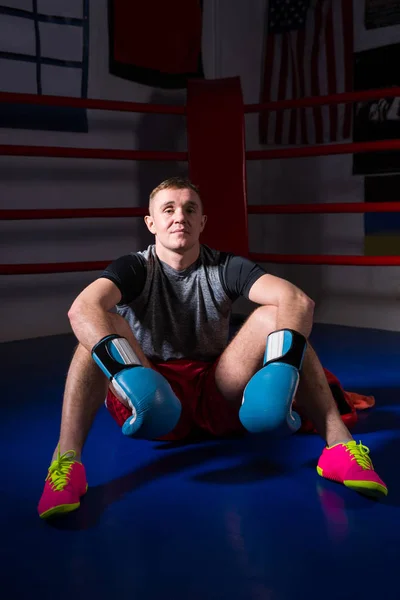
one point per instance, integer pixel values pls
(69, 455)
(351, 444)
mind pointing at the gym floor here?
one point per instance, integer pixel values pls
(239, 519)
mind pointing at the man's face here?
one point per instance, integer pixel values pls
(176, 219)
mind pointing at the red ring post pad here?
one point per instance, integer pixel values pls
(216, 148)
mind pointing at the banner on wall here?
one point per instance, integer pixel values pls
(44, 49)
(381, 13)
(382, 230)
(156, 43)
(377, 119)
(308, 52)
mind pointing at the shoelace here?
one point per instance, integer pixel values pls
(360, 454)
(59, 470)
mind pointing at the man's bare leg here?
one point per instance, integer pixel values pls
(85, 391)
(315, 399)
(243, 358)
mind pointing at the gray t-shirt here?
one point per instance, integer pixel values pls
(181, 314)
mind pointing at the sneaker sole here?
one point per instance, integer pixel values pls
(61, 509)
(367, 488)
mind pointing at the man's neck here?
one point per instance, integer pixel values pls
(176, 260)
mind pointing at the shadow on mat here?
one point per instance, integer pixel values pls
(176, 457)
(253, 471)
(99, 498)
(375, 421)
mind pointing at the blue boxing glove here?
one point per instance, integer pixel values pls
(268, 396)
(155, 408)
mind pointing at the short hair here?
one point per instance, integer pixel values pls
(175, 183)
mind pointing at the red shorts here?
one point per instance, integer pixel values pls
(204, 408)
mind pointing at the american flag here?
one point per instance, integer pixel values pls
(309, 52)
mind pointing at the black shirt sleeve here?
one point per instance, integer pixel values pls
(129, 275)
(238, 275)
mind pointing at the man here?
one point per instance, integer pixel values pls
(153, 340)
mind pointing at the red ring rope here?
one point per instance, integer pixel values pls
(71, 213)
(296, 259)
(327, 259)
(324, 208)
(347, 97)
(324, 150)
(167, 109)
(63, 152)
(69, 101)
(272, 209)
(67, 267)
(319, 150)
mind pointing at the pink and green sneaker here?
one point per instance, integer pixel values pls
(351, 465)
(65, 484)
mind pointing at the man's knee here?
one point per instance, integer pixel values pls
(83, 363)
(81, 353)
(266, 319)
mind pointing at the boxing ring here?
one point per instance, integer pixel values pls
(239, 519)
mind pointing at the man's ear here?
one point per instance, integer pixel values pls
(150, 224)
(203, 222)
